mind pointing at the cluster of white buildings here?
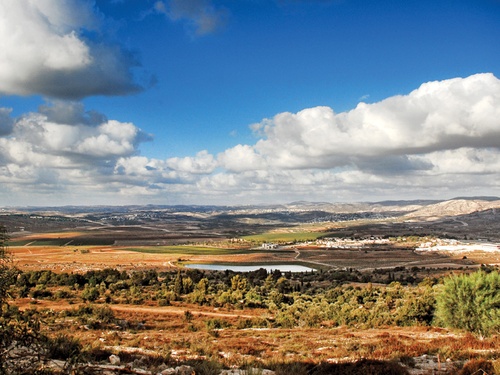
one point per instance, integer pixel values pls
(457, 246)
(436, 244)
(269, 246)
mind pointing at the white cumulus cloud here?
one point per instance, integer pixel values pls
(44, 51)
(60, 154)
(443, 115)
(202, 163)
(443, 136)
(241, 158)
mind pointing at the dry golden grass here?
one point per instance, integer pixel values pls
(80, 259)
(153, 329)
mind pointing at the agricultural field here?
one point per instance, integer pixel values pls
(78, 251)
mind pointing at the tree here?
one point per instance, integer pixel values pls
(23, 348)
(471, 302)
(178, 285)
(19, 333)
(6, 271)
(239, 283)
(200, 292)
(90, 293)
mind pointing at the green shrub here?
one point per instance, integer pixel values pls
(62, 347)
(40, 292)
(90, 293)
(92, 316)
(216, 324)
(63, 294)
(163, 302)
(470, 302)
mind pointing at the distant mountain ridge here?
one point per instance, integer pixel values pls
(454, 207)
(412, 209)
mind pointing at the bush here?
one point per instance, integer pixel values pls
(205, 367)
(41, 293)
(163, 302)
(216, 324)
(62, 347)
(93, 316)
(477, 366)
(63, 294)
(362, 367)
(90, 293)
(471, 302)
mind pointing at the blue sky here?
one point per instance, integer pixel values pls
(250, 101)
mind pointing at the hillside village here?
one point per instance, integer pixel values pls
(435, 244)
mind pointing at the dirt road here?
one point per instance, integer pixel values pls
(25, 303)
(175, 310)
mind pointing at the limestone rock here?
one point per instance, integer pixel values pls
(114, 360)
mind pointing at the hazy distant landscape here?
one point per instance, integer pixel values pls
(474, 218)
(362, 236)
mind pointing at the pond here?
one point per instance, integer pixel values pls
(237, 268)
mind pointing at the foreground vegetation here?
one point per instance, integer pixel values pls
(310, 299)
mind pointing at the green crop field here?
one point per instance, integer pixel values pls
(285, 237)
(18, 243)
(90, 241)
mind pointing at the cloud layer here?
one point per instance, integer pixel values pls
(47, 49)
(443, 136)
(445, 115)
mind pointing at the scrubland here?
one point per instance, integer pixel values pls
(285, 322)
